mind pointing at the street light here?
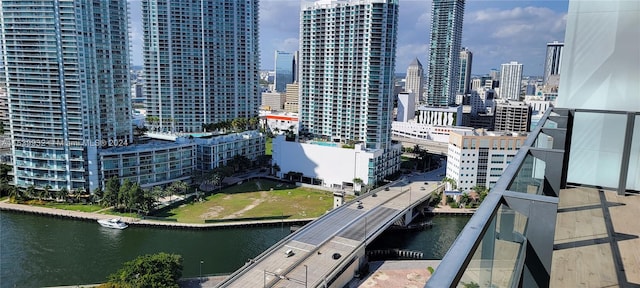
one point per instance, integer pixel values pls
(200, 277)
(305, 275)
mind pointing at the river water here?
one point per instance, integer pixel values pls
(38, 251)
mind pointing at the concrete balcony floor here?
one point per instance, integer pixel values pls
(596, 240)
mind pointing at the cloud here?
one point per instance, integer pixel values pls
(497, 36)
(495, 31)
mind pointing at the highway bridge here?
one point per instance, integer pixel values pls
(428, 145)
(330, 250)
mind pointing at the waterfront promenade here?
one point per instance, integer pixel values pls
(94, 216)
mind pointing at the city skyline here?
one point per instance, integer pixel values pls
(495, 31)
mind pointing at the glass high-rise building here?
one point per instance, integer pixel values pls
(285, 70)
(67, 75)
(444, 51)
(466, 58)
(347, 51)
(553, 61)
(201, 62)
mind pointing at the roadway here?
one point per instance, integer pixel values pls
(345, 230)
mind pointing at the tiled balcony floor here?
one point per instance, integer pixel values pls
(596, 239)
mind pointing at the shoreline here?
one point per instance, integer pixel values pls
(137, 222)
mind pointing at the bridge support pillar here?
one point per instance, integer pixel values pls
(408, 217)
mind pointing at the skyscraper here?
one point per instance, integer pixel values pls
(285, 70)
(510, 81)
(346, 77)
(444, 49)
(67, 72)
(201, 61)
(415, 80)
(466, 57)
(553, 61)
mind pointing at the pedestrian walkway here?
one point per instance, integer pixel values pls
(33, 209)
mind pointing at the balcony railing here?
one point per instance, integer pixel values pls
(509, 240)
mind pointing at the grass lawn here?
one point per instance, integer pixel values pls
(268, 146)
(254, 199)
(73, 207)
(111, 212)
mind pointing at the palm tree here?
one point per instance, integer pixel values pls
(31, 191)
(253, 122)
(464, 199)
(416, 149)
(47, 192)
(62, 194)
(179, 186)
(13, 194)
(357, 184)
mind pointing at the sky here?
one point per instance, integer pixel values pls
(496, 31)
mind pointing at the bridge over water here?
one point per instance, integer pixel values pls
(328, 251)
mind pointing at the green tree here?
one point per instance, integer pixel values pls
(31, 191)
(14, 194)
(112, 187)
(61, 194)
(155, 270)
(357, 184)
(124, 197)
(450, 181)
(97, 195)
(179, 186)
(464, 199)
(253, 122)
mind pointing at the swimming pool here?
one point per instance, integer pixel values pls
(328, 144)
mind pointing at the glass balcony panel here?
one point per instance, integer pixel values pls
(633, 175)
(543, 141)
(530, 176)
(596, 149)
(501, 251)
(550, 124)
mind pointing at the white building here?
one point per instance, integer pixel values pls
(440, 116)
(478, 158)
(510, 81)
(278, 122)
(406, 107)
(213, 152)
(154, 163)
(333, 165)
(347, 100)
(425, 131)
(201, 62)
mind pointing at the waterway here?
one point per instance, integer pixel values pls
(37, 251)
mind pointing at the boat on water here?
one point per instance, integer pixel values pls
(114, 223)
